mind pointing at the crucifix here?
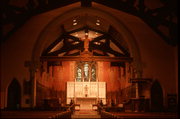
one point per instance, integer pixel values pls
(86, 40)
(86, 43)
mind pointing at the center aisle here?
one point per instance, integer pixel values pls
(85, 114)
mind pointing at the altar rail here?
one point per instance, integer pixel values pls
(64, 115)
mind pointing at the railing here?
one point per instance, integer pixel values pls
(66, 114)
(100, 108)
(108, 115)
(71, 108)
(128, 92)
(105, 114)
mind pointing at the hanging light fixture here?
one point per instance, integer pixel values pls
(97, 22)
(74, 22)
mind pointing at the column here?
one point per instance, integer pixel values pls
(32, 69)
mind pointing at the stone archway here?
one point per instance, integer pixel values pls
(14, 95)
(156, 97)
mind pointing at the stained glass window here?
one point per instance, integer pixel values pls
(79, 74)
(86, 72)
(93, 73)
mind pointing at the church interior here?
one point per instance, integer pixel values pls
(89, 59)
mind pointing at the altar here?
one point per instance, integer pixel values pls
(86, 94)
(86, 103)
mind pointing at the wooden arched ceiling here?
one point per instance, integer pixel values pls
(160, 15)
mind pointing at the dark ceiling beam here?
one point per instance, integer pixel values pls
(73, 54)
(68, 45)
(59, 39)
(119, 45)
(52, 45)
(141, 11)
(155, 21)
(55, 53)
(72, 37)
(18, 16)
(90, 58)
(97, 54)
(172, 41)
(65, 48)
(110, 50)
(99, 38)
(63, 37)
(44, 6)
(116, 40)
(106, 49)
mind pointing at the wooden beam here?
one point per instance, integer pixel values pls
(59, 39)
(90, 58)
(99, 38)
(66, 48)
(105, 48)
(97, 54)
(110, 37)
(72, 37)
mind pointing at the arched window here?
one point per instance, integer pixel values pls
(93, 73)
(85, 72)
(79, 73)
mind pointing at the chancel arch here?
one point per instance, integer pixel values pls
(86, 58)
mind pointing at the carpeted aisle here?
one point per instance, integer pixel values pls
(85, 114)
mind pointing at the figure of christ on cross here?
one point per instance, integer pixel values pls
(86, 52)
(86, 43)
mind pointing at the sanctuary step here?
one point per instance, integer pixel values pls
(86, 114)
